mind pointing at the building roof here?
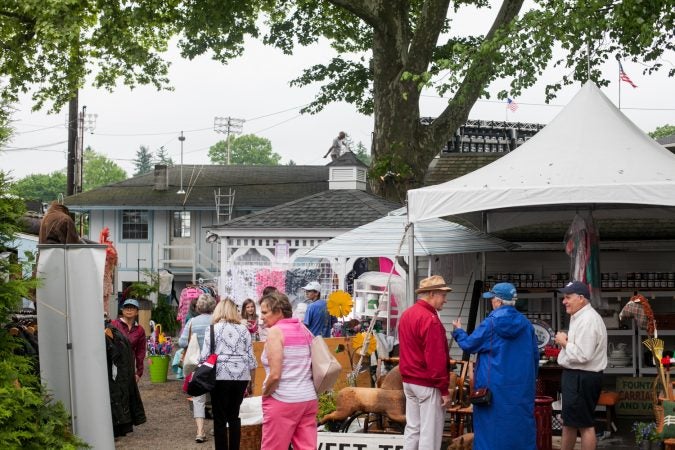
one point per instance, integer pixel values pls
(256, 187)
(449, 166)
(344, 208)
(348, 158)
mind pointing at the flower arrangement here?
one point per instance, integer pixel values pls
(158, 343)
(645, 431)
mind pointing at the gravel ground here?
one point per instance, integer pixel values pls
(170, 424)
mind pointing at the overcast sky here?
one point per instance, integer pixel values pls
(255, 88)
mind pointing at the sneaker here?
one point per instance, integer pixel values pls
(200, 438)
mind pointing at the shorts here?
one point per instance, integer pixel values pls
(580, 394)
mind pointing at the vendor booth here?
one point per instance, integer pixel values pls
(590, 160)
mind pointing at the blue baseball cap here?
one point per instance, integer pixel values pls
(503, 291)
(131, 302)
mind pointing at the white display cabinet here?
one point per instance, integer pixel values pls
(368, 298)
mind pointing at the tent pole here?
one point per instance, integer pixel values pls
(412, 266)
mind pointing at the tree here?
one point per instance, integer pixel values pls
(41, 187)
(163, 157)
(29, 418)
(248, 149)
(388, 53)
(662, 131)
(362, 153)
(143, 161)
(99, 170)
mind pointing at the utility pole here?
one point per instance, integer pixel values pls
(228, 125)
(72, 144)
(181, 138)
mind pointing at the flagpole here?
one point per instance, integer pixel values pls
(618, 62)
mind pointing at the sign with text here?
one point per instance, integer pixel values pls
(635, 396)
(359, 441)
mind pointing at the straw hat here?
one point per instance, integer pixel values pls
(433, 283)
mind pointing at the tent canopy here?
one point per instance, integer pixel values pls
(589, 154)
(382, 237)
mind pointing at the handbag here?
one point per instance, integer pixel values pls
(483, 396)
(480, 396)
(204, 377)
(192, 354)
(325, 367)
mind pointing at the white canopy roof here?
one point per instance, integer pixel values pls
(589, 154)
(382, 237)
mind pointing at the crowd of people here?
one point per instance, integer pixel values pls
(505, 345)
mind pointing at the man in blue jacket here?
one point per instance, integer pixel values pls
(508, 362)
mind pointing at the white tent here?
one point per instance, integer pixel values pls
(382, 237)
(590, 154)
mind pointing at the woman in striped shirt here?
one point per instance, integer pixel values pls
(289, 399)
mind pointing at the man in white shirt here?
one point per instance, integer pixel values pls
(583, 358)
(336, 149)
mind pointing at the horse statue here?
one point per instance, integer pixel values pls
(638, 308)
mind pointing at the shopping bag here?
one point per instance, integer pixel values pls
(192, 353)
(325, 367)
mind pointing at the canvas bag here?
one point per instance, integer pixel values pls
(191, 355)
(204, 377)
(325, 367)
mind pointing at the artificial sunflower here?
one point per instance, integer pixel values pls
(339, 304)
(357, 344)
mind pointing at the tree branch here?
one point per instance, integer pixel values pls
(364, 9)
(476, 77)
(426, 34)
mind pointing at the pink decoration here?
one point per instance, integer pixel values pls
(269, 277)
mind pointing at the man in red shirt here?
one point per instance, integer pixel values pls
(128, 325)
(423, 362)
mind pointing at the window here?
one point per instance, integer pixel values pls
(181, 224)
(135, 224)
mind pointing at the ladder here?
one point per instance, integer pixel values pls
(224, 205)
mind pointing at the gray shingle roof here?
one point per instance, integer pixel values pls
(256, 187)
(347, 159)
(453, 165)
(344, 208)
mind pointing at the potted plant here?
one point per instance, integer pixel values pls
(646, 436)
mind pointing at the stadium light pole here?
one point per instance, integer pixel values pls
(228, 125)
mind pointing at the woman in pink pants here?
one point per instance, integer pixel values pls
(289, 399)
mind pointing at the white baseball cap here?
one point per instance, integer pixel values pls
(313, 286)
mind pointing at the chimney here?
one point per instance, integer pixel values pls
(161, 177)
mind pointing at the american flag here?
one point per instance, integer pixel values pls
(512, 105)
(624, 77)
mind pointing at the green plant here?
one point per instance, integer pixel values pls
(326, 404)
(645, 431)
(28, 416)
(164, 314)
(141, 290)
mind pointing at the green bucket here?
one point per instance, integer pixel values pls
(159, 367)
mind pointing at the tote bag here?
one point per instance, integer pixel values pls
(191, 360)
(325, 367)
(204, 377)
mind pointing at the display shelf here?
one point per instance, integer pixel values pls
(367, 293)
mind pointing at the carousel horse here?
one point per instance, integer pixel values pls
(638, 308)
(388, 400)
